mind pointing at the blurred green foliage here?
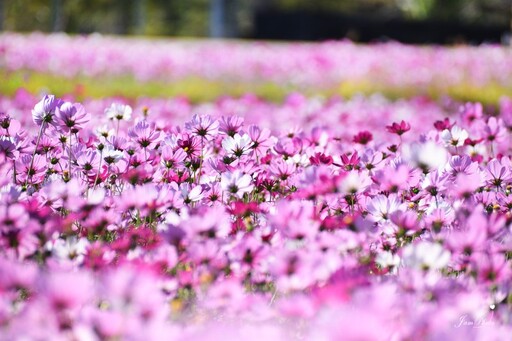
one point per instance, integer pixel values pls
(191, 17)
(157, 17)
(198, 90)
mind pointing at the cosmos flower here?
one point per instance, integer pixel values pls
(380, 207)
(425, 256)
(71, 117)
(236, 183)
(119, 112)
(44, 110)
(112, 155)
(145, 134)
(203, 126)
(399, 128)
(7, 149)
(427, 156)
(454, 137)
(238, 145)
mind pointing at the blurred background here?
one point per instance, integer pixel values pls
(408, 21)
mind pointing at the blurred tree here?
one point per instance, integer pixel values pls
(481, 11)
(220, 17)
(217, 18)
(26, 15)
(223, 18)
(139, 16)
(2, 8)
(178, 17)
(57, 19)
(417, 9)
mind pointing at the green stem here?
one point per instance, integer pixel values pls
(29, 175)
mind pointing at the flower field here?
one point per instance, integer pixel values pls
(241, 218)
(99, 66)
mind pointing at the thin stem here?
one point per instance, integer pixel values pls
(99, 170)
(69, 156)
(29, 177)
(14, 171)
(198, 178)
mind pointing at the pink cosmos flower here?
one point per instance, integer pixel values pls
(203, 126)
(491, 267)
(231, 125)
(494, 130)
(8, 125)
(31, 168)
(473, 234)
(71, 117)
(172, 159)
(282, 169)
(288, 146)
(496, 174)
(88, 162)
(145, 134)
(471, 112)
(7, 149)
(13, 217)
(261, 139)
(209, 223)
(44, 110)
(296, 219)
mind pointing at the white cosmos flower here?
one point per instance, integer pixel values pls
(387, 259)
(354, 182)
(454, 137)
(118, 111)
(236, 183)
(104, 131)
(380, 207)
(189, 193)
(111, 155)
(301, 160)
(425, 255)
(71, 249)
(427, 156)
(237, 145)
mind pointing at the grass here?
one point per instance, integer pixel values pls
(198, 90)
